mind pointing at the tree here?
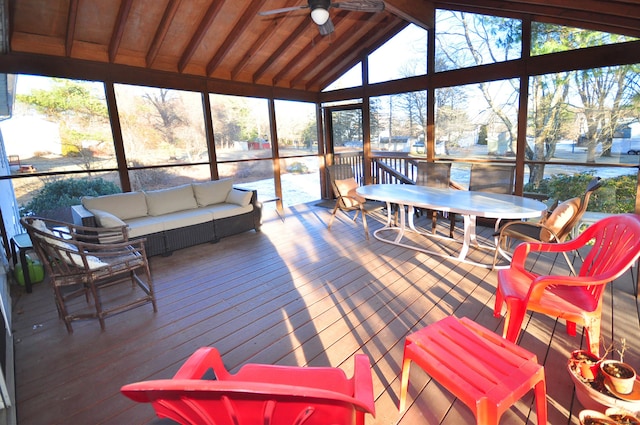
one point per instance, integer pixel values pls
(473, 40)
(81, 114)
(558, 103)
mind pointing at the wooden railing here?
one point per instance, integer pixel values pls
(396, 168)
(387, 168)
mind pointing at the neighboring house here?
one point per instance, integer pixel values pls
(28, 136)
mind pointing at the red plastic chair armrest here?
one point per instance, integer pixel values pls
(200, 362)
(363, 384)
(150, 391)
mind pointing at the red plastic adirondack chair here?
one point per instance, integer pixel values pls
(259, 394)
(577, 299)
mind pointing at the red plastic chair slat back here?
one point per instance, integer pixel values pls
(615, 245)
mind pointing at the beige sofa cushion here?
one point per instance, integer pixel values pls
(165, 201)
(225, 210)
(212, 192)
(123, 205)
(144, 226)
(239, 197)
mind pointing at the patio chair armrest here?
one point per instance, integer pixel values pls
(352, 202)
(363, 383)
(521, 252)
(506, 229)
(173, 389)
(541, 283)
(200, 362)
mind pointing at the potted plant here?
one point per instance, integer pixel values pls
(586, 364)
(621, 375)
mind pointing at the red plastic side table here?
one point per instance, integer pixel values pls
(485, 371)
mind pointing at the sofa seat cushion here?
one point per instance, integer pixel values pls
(166, 201)
(227, 210)
(180, 219)
(122, 205)
(143, 226)
(212, 192)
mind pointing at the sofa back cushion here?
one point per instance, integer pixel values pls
(165, 201)
(212, 192)
(122, 205)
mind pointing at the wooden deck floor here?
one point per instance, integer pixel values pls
(294, 294)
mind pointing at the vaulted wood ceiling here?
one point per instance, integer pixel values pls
(227, 40)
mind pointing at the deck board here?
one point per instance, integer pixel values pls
(293, 294)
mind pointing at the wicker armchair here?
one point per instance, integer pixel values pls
(86, 261)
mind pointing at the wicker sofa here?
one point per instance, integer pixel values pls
(177, 217)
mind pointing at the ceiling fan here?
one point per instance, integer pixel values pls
(320, 10)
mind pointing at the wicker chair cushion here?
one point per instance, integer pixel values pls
(212, 192)
(66, 255)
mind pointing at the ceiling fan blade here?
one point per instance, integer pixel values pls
(282, 10)
(326, 28)
(360, 5)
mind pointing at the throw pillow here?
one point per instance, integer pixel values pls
(105, 219)
(239, 197)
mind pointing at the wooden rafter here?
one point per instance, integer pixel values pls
(167, 17)
(198, 35)
(262, 41)
(295, 34)
(116, 38)
(416, 12)
(309, 49)
(228, 44)
(71, 26)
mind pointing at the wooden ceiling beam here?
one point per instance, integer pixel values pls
(248, 15)
(161, 31)
(419, 12)
(198, 35)
(609, 7)
(71, 26)
(121, 22)
(593, 15)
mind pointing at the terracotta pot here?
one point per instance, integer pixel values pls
(586, 363)
(621, 375)
(622, 415)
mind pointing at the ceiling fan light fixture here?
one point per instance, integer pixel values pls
(319, 15)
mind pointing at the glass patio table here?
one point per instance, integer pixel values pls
(468, 204)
